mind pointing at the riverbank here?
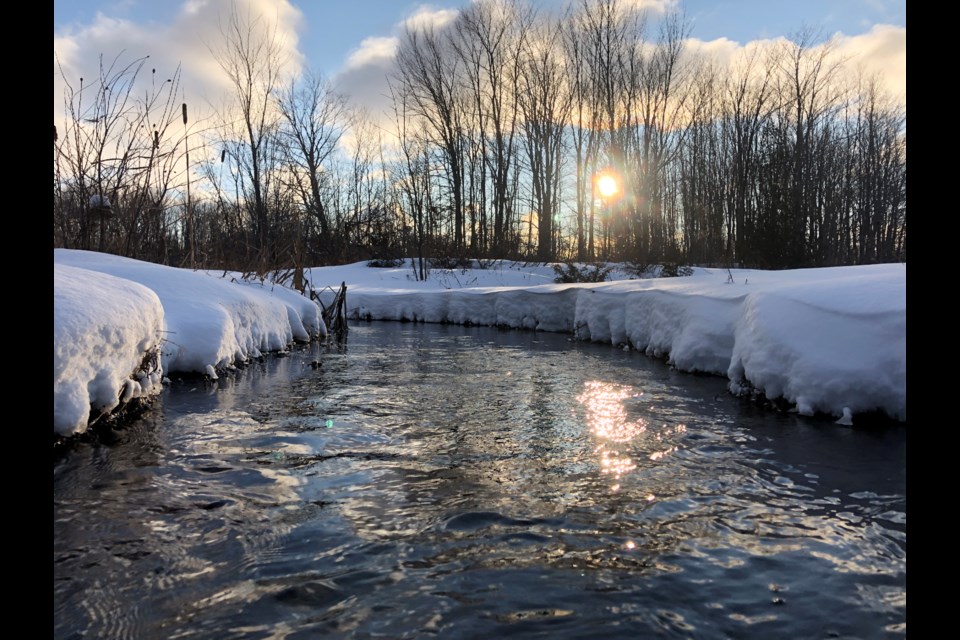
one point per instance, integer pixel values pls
(111, 315)
(829, 340)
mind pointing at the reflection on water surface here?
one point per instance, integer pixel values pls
(436, 480)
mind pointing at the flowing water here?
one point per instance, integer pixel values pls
(441, 481)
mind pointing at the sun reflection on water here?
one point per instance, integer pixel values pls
(614, 462)
(606, 414)
(608, 420)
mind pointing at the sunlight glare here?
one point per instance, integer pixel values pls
(606, 414)
(607, 186)
(607, 418)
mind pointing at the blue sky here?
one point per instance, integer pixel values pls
(352, 41)
(331, 29)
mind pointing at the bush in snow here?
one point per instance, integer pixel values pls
(674, 270)
(451, 263)
(636, 269)
(385, 263)
(570, 272)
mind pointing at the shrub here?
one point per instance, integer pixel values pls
(450, 262)
(570, 272)
(385, 263)
(674, 270)
(636, 269)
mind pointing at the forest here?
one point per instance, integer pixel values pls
(597, 135)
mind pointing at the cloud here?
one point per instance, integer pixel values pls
(364, 75)
(187, 39)
(882, 51)
(656, 6)
(722, 51)
(426, 17)
(373, 51)
(653, 6)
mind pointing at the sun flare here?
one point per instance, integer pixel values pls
(607, 186)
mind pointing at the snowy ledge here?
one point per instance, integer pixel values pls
(113, 316)
(829, 340)
(103, 327)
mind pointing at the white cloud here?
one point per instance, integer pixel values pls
(426, 17)
(373, 51)
(193, 7)
(364, 75)
(186, 40)
(722, 50)
(654, 6)
(881, 51)
(657, 6)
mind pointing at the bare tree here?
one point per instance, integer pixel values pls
(428, 76)
(810, 94)
(660, 75)
(584, 130)
(747, 103)
(411, 176)
(314, 120)
(545, 104)
(602, 42)
(490, 37)
(250, 53)
(877, 226)
(114, 160)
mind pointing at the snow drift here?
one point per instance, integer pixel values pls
(102, 329)
(829, 340)
(109, 310)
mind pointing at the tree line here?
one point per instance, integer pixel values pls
(502, 121)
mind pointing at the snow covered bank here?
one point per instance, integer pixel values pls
(102, 328)
(108, 311)
(829, 340)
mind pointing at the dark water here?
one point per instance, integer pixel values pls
(469, 483)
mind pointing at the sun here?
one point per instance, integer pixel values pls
(607, 186)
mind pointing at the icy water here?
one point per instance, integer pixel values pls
(440, 481)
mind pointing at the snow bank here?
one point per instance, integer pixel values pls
(211, 320)
(206, 321)
(828, 340)
(102, 328)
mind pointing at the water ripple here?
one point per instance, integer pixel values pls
(471, 482)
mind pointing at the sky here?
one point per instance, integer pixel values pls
(830, 340)
(352, 42)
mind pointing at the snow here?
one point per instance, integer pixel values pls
(109, 311)
(829, 340)
(102, 327)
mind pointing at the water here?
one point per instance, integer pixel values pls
(472, 483)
